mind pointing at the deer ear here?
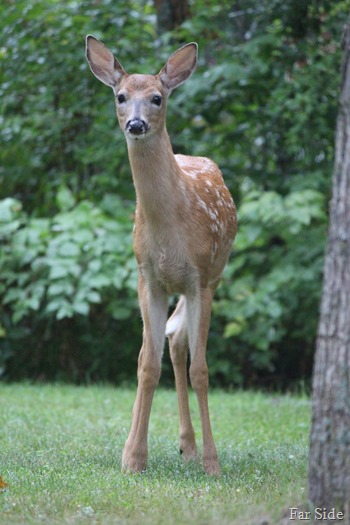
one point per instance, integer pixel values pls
(102, 63)
(179, 66)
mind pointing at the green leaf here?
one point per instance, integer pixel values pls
(9, 208)
(57, 271)
(233, 329)
(65, 310)
(81, 307)
(65, 199)
(69, 249)
(62, 287)
(99, 281)
(93, 297)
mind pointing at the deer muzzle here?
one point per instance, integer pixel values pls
(136, 127)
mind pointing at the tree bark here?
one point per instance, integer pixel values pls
(171, 13)
(329, 463)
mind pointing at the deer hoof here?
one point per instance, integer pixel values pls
(211, 466)
(134, 463)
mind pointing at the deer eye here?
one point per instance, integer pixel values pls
(121, 98)
(157, 100)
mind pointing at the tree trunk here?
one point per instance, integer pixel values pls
(329, 463)
(171, 13)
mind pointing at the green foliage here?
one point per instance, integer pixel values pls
(66, 264)
(57, 123)
(278, 261)
(262, 104)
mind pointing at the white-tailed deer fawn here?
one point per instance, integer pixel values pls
(185, 223)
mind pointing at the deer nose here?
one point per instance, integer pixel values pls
(136, 126)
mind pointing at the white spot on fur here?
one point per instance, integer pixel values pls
(214, 249)
(212, 215)
(196, 165)
(222, 229)
(202, 204)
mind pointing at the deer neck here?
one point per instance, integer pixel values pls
(157, 179)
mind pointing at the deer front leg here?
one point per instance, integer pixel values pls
(153, 304)
(199, 312)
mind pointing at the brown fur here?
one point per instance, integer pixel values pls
(185, 223)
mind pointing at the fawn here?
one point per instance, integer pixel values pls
(185, 223)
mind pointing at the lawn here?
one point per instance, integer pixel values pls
(60, 453)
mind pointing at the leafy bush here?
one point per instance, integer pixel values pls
(272, 282)
(65, 266)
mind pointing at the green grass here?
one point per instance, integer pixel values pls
(60, 453)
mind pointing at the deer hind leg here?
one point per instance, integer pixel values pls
(153, 304)
(199, 312)
(176, 331)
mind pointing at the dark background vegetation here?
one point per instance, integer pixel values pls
(262, 103)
